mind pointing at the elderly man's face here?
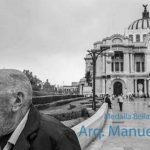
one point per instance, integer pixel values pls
(15, 98)
(7, 120)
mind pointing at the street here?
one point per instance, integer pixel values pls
(110, 142)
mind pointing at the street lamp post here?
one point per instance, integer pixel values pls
(106, 76)
(94, 53)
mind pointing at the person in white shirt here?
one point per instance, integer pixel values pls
(120, 100)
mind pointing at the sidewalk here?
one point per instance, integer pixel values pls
(110, 142)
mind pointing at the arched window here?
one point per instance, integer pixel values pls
(144, 36)
(139, 62)
(137, 38)
(117, 40)
(117, 62)
(131, 37)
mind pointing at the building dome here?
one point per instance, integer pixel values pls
(140, 24)
(143, 23)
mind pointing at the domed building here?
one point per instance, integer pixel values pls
(138, 29)
(128, 70)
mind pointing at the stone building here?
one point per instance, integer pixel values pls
(128, 71)
(71, 89)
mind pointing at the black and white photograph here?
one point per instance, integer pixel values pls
(74, 75)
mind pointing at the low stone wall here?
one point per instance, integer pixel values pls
(95, 122)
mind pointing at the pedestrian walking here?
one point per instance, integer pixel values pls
(131, 98)
(107, 100)
(144, 97)
(113, 97)
(120, 100)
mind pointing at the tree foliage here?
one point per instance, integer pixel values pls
(35, 82)
(47, 87)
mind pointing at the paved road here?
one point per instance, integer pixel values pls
(111, 142)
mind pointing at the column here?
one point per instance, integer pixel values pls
(108, 65)
(141, 37)
(149, 87)
(134, 38)
(98, 66)
(132, 86)
(103, 86)
(103, 58)
(131, 62)
(82, 88)
(126, 62)
(98, 87)
(145, 87)
(135, 87)
(147, 62)
(114, 67)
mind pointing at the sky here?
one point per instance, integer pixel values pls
(51, 37)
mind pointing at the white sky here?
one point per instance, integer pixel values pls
(50, 37)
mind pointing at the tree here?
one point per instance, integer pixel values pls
(35, 82)
(47, 86)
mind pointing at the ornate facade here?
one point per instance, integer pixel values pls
(128, 71)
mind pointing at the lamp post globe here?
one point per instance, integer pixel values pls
(110, 53)
(109, 60)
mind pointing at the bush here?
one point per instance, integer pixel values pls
(42, 107)
(83, 112)
(39, 93)
(71, 106)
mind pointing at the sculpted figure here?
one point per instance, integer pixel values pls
(145, 6)
(140, 89)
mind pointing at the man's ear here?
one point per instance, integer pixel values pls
(18, 102)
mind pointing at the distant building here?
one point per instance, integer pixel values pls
(71, 89)
(128, 71)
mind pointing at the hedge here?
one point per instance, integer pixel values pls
(50, 99)
(58, 103)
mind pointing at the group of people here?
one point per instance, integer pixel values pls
(120, 100)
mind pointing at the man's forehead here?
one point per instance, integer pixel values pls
(8, 92)
(10, 87)
(6, 85)
(12, 81)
